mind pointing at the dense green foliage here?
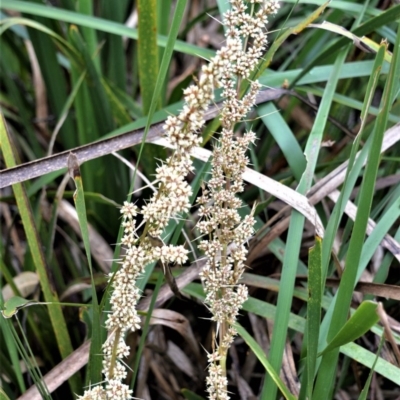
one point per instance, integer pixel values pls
(73, 72)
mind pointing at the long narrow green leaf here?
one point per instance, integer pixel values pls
(55, 312)
(285, 138)
(313, 309)
(3, 395)
(12, 349)
(334, 221)
(320, 73)
(381, 229)
(364, 392)
(101, 105)
(86, 8)
(98, 333)
(347, 101)
(179, 10)
(163, 21)
(27, 355)
(345, 291)
(114, 47)
(367, 358)
(296, 228)
(352, 175)
(95, 119)
(258, 351)
(147, 51)
(359, 323)
(385, 17)
(148, 73)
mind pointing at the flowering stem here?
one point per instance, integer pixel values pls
(221, 221)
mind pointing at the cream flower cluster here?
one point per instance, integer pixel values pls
(220, 221)
(124, 297)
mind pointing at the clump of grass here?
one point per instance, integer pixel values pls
(340, 113)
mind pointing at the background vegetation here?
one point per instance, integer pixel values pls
(73, 72)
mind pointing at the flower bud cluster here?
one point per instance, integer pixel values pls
(220, 221)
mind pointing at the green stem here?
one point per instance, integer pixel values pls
(114, 353)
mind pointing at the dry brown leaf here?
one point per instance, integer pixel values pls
(351, 210)
(334, 179)
(142, 390)
(244, 389)
(181, 360)
(388, 332)
(162, 384)
(17, 245)
(288, 372)
(42, 112)
(260, 334)
(75, 288)
(176, 321)
(26, 282)
(61, 373)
